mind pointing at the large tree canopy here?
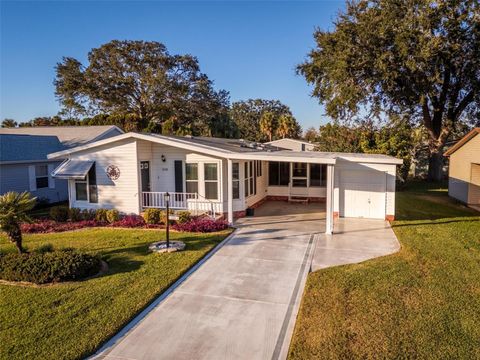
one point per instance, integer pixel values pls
(247, 117)
(141, 79)
(415, 57)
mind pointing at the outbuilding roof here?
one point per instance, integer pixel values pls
(463, 141)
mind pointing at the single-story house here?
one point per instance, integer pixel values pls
(133, 171)
(23, 157)
(293, 144)
(464, 169)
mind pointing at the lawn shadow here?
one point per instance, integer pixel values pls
(435, 222)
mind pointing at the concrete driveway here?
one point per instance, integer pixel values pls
(242, 302)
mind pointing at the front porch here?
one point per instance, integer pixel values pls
(179, 201)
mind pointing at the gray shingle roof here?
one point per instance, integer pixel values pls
(35, 143)
(69, 136)
(27, 147)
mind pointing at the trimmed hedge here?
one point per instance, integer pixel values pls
(48, 267)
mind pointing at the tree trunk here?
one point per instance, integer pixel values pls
(435, 166)
(16, 237)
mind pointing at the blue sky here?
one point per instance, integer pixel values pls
(248, 48)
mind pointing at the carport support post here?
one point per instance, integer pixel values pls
(329, 205)
(230, 191)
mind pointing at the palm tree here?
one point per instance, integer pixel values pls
(268, 124)
(287, 126)
(13, 211)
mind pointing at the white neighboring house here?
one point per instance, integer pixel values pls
(293, 144)
(23, 157)
(132, 172)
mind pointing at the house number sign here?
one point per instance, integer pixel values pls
(113, 172)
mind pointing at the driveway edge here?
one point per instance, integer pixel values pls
(132, 324)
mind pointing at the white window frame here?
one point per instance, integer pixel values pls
(87, 182)
(198, 175)
(217, 181)
(248, 178)
(40, 177)
(75, 189)
(237, 180)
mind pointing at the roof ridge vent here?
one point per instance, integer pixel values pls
(189, 136)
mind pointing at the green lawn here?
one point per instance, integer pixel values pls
(69, 321)
(423, 302)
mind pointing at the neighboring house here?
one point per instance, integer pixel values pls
(293, 144)
(464, 169)
(132, 172)
(23, 157)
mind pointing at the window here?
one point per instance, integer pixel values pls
(318, 175)
(278, 173)
(211, 181)
(41, 176)
(86, 189)
(191, 178)
(236, 180)
(245, 171)
(258, 165)
(81, 190)
(252, 179)
(250, 187)
(299, 174)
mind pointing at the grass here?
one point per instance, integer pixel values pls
(422, 302)
(71, 320)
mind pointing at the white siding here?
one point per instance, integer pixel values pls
(121, 194)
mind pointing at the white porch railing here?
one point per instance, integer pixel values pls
(179, 201)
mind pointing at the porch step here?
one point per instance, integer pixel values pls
(298, 199)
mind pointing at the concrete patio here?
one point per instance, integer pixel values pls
(354, 241)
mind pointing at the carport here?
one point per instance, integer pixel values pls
(358, 186)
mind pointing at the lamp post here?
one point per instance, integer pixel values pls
(167, 201)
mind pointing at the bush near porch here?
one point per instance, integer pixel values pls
(71, 320)
(422, 302)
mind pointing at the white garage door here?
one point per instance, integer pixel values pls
(362, 194)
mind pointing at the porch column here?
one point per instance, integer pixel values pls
(230, 191)
(329, 205)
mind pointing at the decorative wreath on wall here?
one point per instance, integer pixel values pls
(113, 172)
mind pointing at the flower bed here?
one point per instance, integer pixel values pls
(203, 225)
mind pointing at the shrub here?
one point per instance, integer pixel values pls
(101, 215)
(49, 226)
(131, 221)
(112, 215)
(183, 216)
(152, 216)
(163, 215)
(88, 214)
(45, 248)
(75, 214)
(59, 213)
(41, 268)
(203, 225)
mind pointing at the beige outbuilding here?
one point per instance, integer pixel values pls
(464, 169)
